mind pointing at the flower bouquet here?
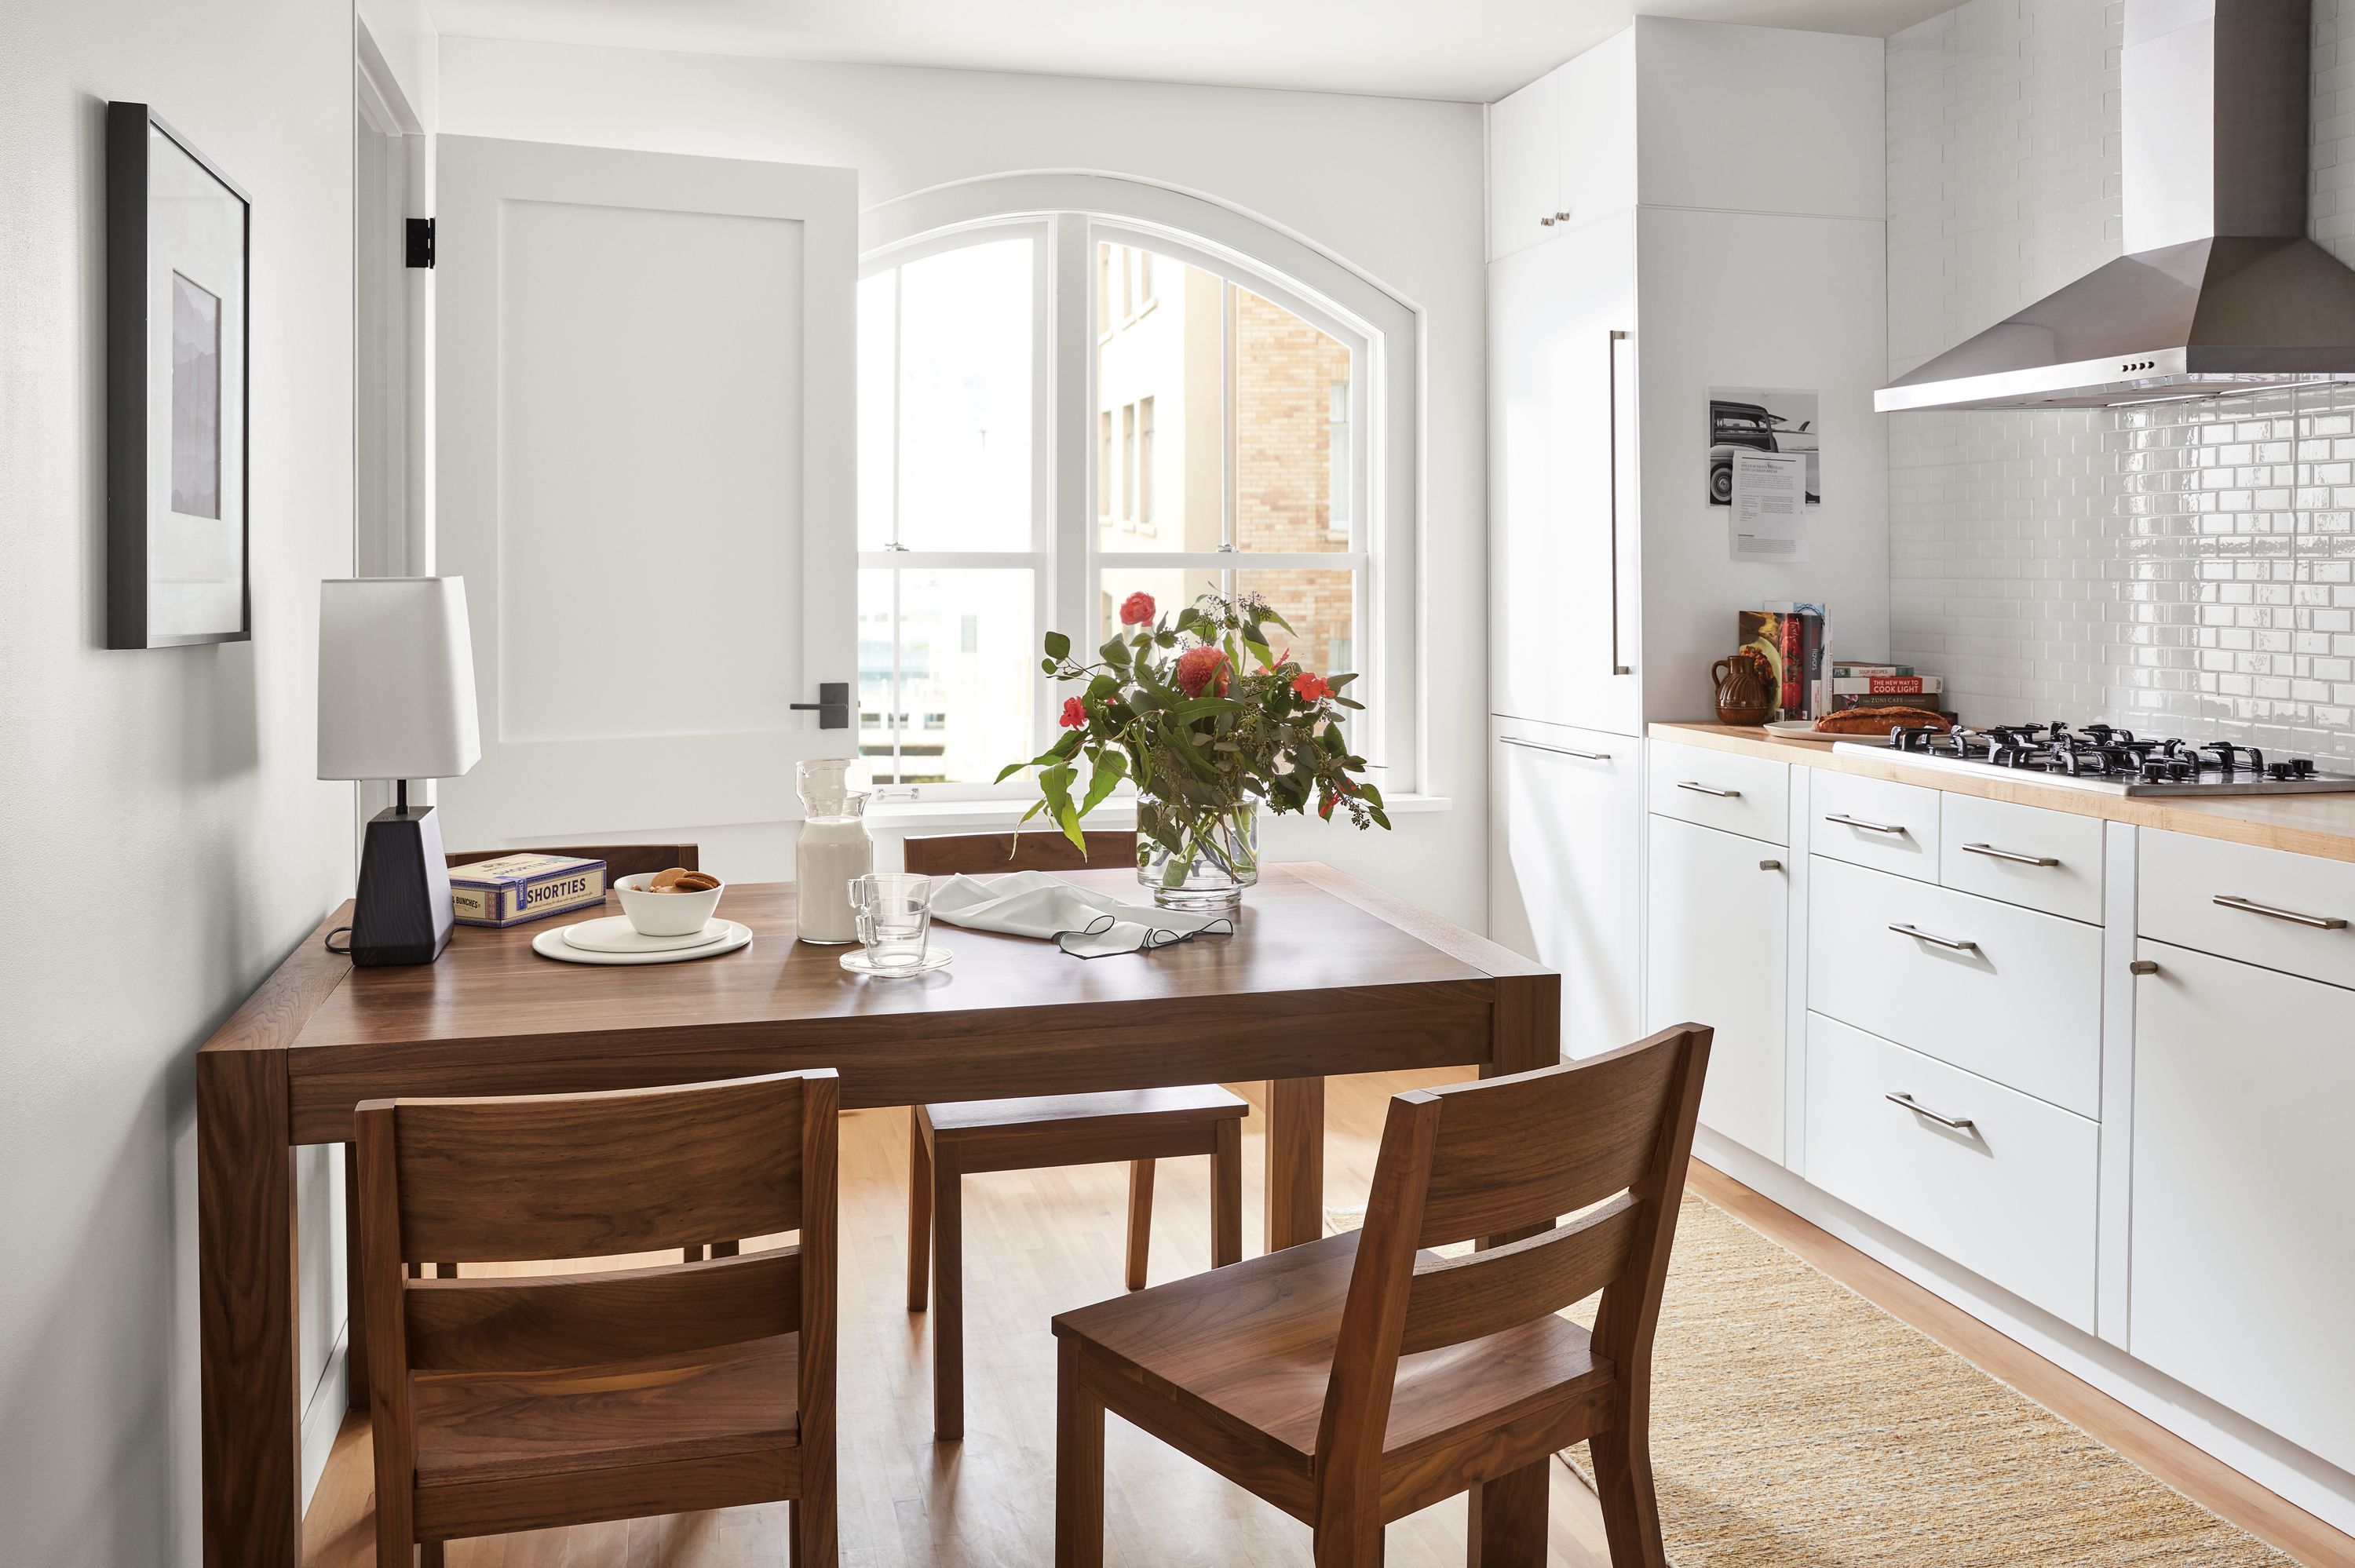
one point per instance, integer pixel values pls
(1169, 705)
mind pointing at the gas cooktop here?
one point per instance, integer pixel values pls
(2104, 757)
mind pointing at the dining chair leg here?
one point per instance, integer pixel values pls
(428, 1554)
(1507, 1518)
(1226, 1194)
(1079, 1466)
(793, 1532)
(445, 1271)
(723, 1249)
(1623, 1484)
(1351, 1546)
(1140, 1220)
(948, 1299)
(920, 1209)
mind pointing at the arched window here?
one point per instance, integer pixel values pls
(1061, 406)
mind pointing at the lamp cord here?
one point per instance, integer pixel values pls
(328, 941)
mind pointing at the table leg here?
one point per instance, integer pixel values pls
(250, 1422)
(1296, 1161)
(356, 1375)
(1525, 1033)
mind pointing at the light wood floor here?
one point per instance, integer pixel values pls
(1037, 1242)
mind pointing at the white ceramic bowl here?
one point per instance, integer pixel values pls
(665, 914)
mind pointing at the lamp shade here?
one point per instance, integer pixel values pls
(396, 679)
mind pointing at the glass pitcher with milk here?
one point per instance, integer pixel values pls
(834, 849)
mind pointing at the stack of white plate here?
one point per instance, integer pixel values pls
(613, 941)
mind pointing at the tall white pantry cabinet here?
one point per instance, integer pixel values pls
(1686, 205)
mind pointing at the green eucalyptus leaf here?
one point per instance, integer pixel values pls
(1115, 651)
(1111, 768)
(1057, 645)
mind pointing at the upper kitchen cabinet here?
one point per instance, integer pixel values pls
(1562, 149)
(1725, 230)
(1692, 114)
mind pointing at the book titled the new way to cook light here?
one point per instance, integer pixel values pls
(515, 888)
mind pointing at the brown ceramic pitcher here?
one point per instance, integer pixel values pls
(1746, 687)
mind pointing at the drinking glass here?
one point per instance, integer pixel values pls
(895, 916)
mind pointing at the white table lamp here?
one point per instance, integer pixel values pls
(397, 701)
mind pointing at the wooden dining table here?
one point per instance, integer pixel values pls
(1323, 975)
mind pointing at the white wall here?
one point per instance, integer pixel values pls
(1391, 186)
(166, 795)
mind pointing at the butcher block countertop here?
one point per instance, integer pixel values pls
(2303, 824)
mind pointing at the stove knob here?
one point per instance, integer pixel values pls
(2281, 772)
(2302, 766)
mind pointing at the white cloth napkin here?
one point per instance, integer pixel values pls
(1090, 925)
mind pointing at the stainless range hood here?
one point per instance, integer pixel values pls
(2219, 291)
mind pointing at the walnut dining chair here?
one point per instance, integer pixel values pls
(1359, 1377)
(949, 1142)
(505, 1404)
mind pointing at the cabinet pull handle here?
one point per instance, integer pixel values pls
(1612, 397)
(2012, 855)
(1920, 934)
(2251, 907)
(1770, 866)
(1959, 1123)
(1556, 751)
(1709, 789)
(2142, 967)
(1845, 820)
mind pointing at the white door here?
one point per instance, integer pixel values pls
(2243, 1266)
(646, 371)
(1719, 930)
(1567, 814)
(1561, 599)
(1524, 167)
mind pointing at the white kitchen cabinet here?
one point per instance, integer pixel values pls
(2022, 855)
(2005, 992)
(1568, 816)
(2291, 912)
(1561, 600)
(1876, 823)
(1717, 948)
(1725, 790)
(2009, 1193)
(1524, 167)
(2242, 1269)
(1600, 565)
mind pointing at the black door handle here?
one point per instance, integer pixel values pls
(832, 707)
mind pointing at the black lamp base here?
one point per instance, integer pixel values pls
(401, 912)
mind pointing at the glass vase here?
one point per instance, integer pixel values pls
(1197, 861)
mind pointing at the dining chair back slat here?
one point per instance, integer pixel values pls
(561, 1176)
(1459, 1298)
(1520, 1151)
(979, 854)
(570, 1320)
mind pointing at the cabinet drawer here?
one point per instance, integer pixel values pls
(2022, 855)
(2005, 992)
(1722, 789)
(1872, 821)
(2011, 1196)
(2295, 899)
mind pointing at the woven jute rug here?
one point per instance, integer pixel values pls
(1794, 1423)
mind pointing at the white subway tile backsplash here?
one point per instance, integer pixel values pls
(2187, 566)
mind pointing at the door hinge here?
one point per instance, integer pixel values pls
(420, 242)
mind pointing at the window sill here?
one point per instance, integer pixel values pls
(905, 816)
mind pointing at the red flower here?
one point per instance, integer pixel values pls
(1311, 688)
(1203, 667)
(1136, 610)
(1075, 714)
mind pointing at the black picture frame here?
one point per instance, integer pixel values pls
(132, 400)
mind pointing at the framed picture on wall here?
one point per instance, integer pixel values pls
(178, 254)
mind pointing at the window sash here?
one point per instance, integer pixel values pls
(1072, 490)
